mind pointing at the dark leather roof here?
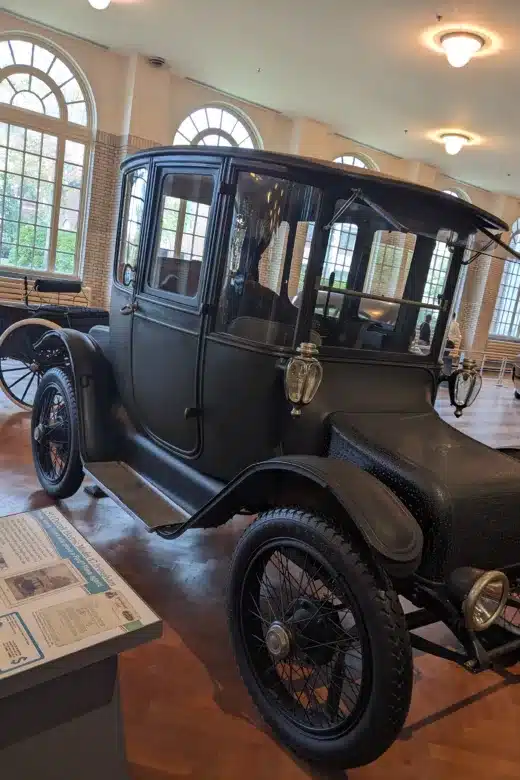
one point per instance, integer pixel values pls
(311, 164)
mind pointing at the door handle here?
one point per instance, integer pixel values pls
(128, 308)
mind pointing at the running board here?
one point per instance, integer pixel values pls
(135, 494)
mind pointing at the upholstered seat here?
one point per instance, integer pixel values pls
(465, 495)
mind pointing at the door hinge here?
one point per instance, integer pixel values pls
(226, 188)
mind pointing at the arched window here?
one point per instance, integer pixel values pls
(506, 319)
(46, 130)
(357, 162)
(217, 126)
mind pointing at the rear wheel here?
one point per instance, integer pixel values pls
(320, 639)
(55, 434)
(20, 371)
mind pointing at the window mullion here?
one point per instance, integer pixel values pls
(60, 158)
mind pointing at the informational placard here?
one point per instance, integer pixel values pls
(57, 595)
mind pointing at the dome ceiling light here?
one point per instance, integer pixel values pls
(99, 5)
(461, 46)
(454, 142)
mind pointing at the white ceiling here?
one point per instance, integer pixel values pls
(358, 66)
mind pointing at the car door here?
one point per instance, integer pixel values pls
(169, 306)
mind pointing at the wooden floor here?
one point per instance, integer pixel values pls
(186, 712)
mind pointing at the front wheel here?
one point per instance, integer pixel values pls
(320, 639)
(55, 435)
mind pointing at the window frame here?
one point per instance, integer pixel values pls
(239, 115)
(514, 241)
(64, 130)
(131, 289)
(154, 228)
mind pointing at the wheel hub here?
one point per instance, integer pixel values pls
(278, 640)
(317, 628)
(38, 432)
(34, 367)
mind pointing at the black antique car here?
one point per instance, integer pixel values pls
(275, 333)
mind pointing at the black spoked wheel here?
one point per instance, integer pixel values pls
(320, 639)
(55, 435)
(20, 370)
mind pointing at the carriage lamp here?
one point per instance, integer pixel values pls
(303, 375)
(464, 385)
(483, 595)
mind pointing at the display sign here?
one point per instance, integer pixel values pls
(57, 595)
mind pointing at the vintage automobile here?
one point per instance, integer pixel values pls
(212, 393)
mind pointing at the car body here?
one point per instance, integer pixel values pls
(237, 375)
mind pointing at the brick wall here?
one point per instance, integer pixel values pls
(109, 152)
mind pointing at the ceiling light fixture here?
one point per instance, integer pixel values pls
(461, 46)
(453, 142)
(99, 5)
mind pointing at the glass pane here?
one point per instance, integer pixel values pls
(31, 166)
(44, 214)
(261, 291)
(20, 81)
(6, 92)
(6, 58)
(77, 113)
(70, 198)
(200, 119)
(2, 183)
(13, 185)
(22, 51)
(39, 87)
(28, 212)
(48, 169)
(177, 264)
(42, 58)
(14, 161)
(74, 152)
(40, 259)
(45, 192)
(49, 146)
(42, 237)
(3, 158)
(9, 232)
(72, 175)
(11, 208)
(3, 132)
(132, 216)
(26, 235)
(59, 72)
(66, 241)
(68, 219)
(229, 122)
(51, 106)
(33, 142)
(16, 137)
(64, 263)
(72, 92)
(28, 101)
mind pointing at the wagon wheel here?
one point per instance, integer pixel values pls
(20, 372)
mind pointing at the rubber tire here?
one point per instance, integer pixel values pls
(73, 475)
(517, 395)
(392, 666)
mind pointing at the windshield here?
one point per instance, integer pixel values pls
(384, 286)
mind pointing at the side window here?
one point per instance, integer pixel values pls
(133, 210)
(182, 233)
(267, 258)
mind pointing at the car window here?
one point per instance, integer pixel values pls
(267, 257)
(182, 233)
(132, 220)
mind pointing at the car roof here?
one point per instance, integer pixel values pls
(318, 166)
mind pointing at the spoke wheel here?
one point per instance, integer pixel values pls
(20, 370)
(305, 637)
(55, 435)
(320, 639)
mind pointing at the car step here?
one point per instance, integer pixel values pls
(135, 494)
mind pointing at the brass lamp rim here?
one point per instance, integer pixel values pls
(471, 599)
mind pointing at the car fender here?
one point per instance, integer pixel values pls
(94, 389)
(332, 486)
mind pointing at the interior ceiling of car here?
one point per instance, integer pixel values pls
(363, 68)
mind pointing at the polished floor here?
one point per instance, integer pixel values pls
(186, 712)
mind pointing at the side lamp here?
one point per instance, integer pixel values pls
(303, 375)
(464, 385)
